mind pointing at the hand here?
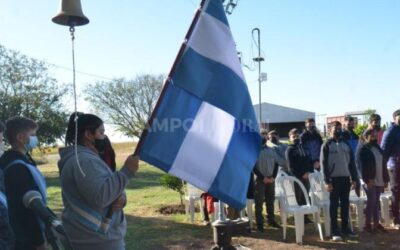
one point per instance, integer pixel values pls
(317, 165)
(329, 187)
(132, 163)
(119, 203)
(353, 185)
(370, 184)
(305, 176)
(266, 180)
(272, 179)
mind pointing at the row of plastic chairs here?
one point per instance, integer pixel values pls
(287, 203)
(193, 195)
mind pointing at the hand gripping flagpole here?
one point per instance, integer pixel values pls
(169, 77)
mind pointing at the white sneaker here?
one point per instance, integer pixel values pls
(336, 238)
(396, 226)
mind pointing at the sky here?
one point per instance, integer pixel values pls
(325, 56)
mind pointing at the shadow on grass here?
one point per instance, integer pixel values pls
(164, 233)
(273, 238)
(145, 179)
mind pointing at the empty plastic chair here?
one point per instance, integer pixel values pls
(320, 198)
(290, 206)
(193, 194)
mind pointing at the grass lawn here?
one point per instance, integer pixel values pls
(147, 229)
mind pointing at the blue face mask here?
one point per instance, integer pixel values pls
(33, 143)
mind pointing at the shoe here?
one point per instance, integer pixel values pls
(369, 229)
(349, 233)
(206, 223)
(381, 229)
(396, 226)
(336, 238)
(307, 220)
(274, 224)
(260, 229)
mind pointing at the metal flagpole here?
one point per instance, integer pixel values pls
(168, 80)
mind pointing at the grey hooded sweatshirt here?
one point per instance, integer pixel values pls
(87, 198)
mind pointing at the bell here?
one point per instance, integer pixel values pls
(71, 14)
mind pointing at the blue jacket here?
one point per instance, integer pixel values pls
(391, 146)
(312, 142)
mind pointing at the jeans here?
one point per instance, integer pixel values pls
(372, 210)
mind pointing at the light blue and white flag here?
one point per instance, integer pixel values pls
(203, 129)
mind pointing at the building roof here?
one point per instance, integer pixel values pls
(272, 113)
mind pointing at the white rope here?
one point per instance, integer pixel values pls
(72, 30)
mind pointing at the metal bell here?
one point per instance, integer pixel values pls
(70, 14)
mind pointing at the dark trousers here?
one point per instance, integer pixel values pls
(264, 193)
(301, 200)
(372, 210)
(395, 186)
(340, 193)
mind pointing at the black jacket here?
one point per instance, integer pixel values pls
(298, 160)
(18, 181)
(367, 163)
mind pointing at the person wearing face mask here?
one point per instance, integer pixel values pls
(266, 170)
(93, 195)
(375, 176)
(106, 152)
(374, 122)
(312, 142)
(21, 175)
(391, 155)
(299, 165)
(338, 167)
(280, 148)
(348, 134)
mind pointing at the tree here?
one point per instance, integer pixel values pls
(126, 103)
(174, 183)
(26, 89)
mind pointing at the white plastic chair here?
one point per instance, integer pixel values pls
(278, 190)
(192, 195)
(385, 209)
(249, 211)
(359, 203)
(320, 198)
(290, 206)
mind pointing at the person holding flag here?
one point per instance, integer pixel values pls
(93, 195)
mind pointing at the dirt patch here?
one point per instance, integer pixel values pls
(172, 209)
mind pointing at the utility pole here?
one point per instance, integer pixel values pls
(259, 59)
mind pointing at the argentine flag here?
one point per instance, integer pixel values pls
(203, 128)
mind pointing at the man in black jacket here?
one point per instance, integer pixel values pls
(19, 179)
(299, 165)
(312, 142)
(337, 161)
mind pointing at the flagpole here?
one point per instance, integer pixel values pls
(167, 81)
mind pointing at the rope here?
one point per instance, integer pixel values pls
(72, 31)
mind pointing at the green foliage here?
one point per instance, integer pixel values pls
(126, 103)
(173, 183)
(26, 89)
(360, 128)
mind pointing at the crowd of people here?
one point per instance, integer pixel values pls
(93, 191)
(346, 161)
